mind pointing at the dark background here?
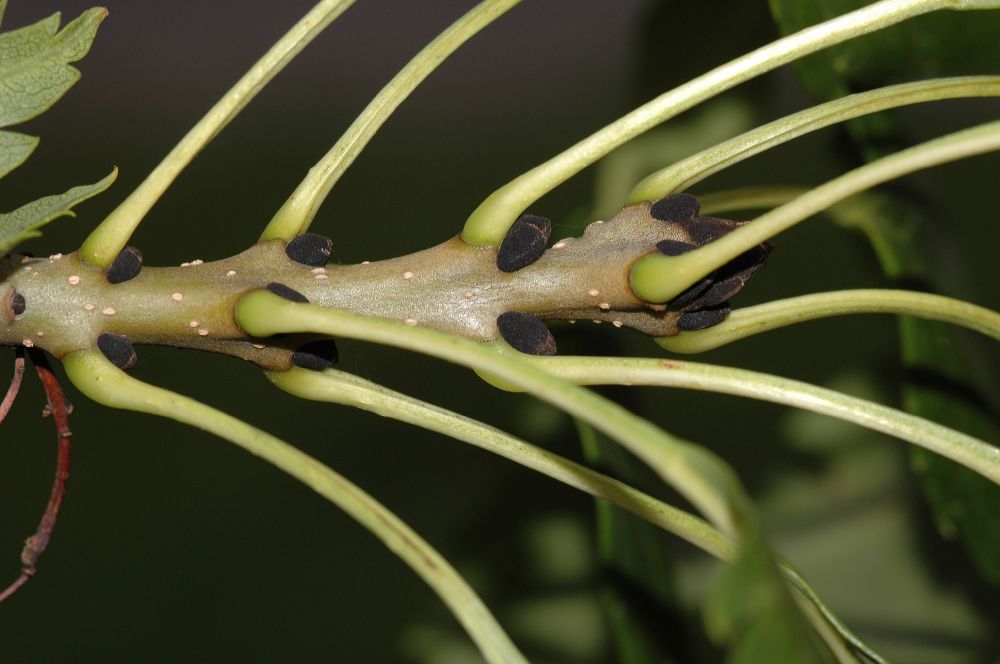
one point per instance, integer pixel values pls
(175, 546)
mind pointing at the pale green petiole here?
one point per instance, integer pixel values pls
(297, 213)
(687, 172)
(110, 237)
(101, 381)
(698, 475)
(489, 222)
(333, 386)
(658, 278)
(748, 321)
(973, 453)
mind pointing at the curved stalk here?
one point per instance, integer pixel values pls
(489, 222)
(686, 172)
(110, 237)
(748, 321)
(101, 381)
(975, 454)
(701, 477)
(298, 211)
(658, 278)
(334, 386)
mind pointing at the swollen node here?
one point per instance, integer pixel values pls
(126, 266)
(118, 349)
(310, 249)
(524, 243)
(526, 333)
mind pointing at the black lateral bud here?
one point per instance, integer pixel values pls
(281, 290)
(127, 265)
(17, 303)
(708, 229)
(526, 333)
(674, 247)
(310, 249)
(690, 294)
(316, 355)
(524, 243)
(702, 318)
(118, 349)
(675, 208)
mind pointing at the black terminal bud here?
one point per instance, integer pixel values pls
(674, 247)
(310, 249)
(281, 290)
(675, 208)
(702, 318)
(316, 355)
(118, 349)
(524, 243)
(526, 333)
(127, 265)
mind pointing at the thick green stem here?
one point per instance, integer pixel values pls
(110, 237)
(658, 278)
(297, 213)
(490, 221)
(746, 322)
(103, 382)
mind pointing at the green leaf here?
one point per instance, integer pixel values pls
(24, 222)
(941, 366)
(34, 63)
(752, 610)
(14, 149)
(942, 384)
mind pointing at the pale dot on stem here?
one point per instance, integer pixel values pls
(73, 280)
(176, 297)
(407, 275)
(593, 292)
(411, 321)
(109, 311)
(202, 332)
(89, 306)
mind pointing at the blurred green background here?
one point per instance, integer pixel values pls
(175, 546)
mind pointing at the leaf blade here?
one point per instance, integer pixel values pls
(34, 63)
(24, 222)
(14, 150)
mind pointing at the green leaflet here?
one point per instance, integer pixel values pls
(942, 382)
(941, 374)
(34, 63)
(750, 604)
(24, 222)
(34, 73)
(14, 149)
